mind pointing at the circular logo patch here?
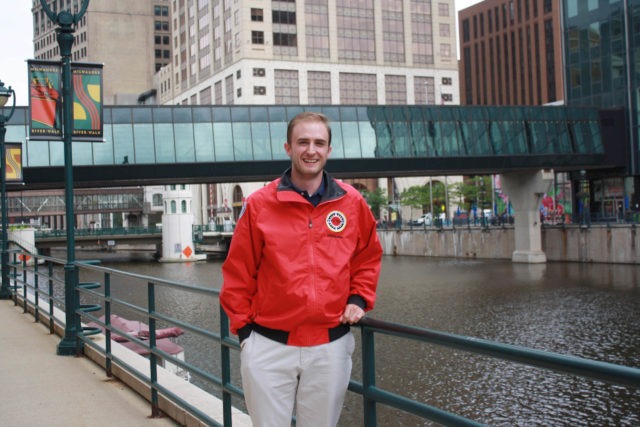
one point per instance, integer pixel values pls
(336, 221)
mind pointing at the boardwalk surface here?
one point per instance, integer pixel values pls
(41, 388)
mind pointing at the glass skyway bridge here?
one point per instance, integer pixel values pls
(195, 144)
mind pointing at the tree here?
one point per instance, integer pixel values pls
(375, 199)
(421, 197)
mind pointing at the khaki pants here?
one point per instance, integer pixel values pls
(275, 376)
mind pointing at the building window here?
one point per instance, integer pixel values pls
(356, 88)
(286, 87)
(395, 89)
(283, 17)
(445, 50)
(443, 9)
(157, 199)
(317, 29)
(285, 39)
(424, 90)
(183, 206)
(319, 87)
(257, 37)
(356, 31)
(257, 15)
(174, 208)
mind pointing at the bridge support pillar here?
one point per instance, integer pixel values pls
(525, 190)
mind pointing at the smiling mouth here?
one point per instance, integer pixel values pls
(310, 161)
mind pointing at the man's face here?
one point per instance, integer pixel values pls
(308, 149)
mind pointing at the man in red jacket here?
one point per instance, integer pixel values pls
(303, 265)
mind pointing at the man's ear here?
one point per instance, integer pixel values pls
(287, 148)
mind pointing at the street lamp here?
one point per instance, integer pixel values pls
(67, 22)
(5, 94)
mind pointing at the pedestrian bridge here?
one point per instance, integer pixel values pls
(146, 145)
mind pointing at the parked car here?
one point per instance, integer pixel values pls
(423, 220)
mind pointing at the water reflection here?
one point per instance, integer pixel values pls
(587, 310)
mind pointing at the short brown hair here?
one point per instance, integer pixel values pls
(310, 116)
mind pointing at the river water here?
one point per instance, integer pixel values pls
(585, 310)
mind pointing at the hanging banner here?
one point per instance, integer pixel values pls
(87, 101)
(45, 100)
(13, 161)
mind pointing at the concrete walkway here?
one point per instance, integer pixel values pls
(40, 388)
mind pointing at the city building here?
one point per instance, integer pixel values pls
(309, 52)
(602, 47)
(511, 53)
(131, 38)
(575, 52)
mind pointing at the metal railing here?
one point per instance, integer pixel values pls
(115, 231)
(29, 272)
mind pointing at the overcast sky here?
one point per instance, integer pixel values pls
(17, 44)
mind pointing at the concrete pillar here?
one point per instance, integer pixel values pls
(525, 190)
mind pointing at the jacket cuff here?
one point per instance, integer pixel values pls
(357, 300)
(244, 332)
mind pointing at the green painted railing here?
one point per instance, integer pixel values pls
(115, 231)
(29, 278)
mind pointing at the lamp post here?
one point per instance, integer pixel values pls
(66, 27)
(5, 94)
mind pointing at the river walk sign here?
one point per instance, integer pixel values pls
(45, 101)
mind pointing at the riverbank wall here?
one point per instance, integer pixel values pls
(613, 243)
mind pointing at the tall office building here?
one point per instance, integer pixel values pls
(131, 38)
(311, 52)
(366, 52)
(511, 53)
(602, 47)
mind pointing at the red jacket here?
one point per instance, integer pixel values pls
(293, 267)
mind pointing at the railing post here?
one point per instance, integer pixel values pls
(107, 321)
(368, 377)
(51, 306)
(153, 360)
(225, 361)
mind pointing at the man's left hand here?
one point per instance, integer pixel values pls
(352, 314)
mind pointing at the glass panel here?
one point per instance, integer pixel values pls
(182, 115)
(123, 143)
(261, 141)
(103, 153)
(82, 154)
(223, 141)
(144, 144)
(278, 132)
(203, 138)
(202, 115)
(121, 115)
(162, 115)
(165, 147)
(185, 151)
(351, 139)
(142, 115)
(242, 149)
(37, 153)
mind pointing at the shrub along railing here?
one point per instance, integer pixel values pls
(99, 296)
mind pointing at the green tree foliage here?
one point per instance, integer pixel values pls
(375, 199)
(473, 191)
(420, 196)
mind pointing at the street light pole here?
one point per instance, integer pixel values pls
(5, 94)
(66, 27)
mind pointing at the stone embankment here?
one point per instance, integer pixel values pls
(614, 243)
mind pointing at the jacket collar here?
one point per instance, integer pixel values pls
(331, 192)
